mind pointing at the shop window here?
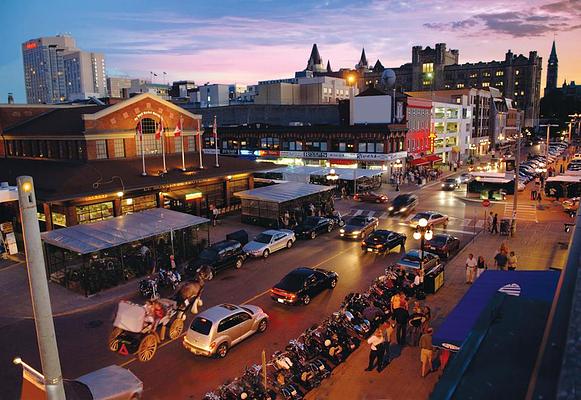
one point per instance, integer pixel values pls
(136, 204)
(379, 147)
(237, 185)
(192, 143)
(101, 149)
(59, 219)
(363, 147)
(119, 148)
(94, 212)
(177, 141)
(427, 68)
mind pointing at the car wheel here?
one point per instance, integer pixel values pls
(263, 325)
(289, 244)
(313, 235)
(222, 350)
(238, 264)
(333, 283)
(265, 254)
(306, 299)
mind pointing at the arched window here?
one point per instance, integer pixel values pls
(150, 144)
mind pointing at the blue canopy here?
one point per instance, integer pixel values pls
(536, 285)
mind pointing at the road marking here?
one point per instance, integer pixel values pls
(480, 223)
(384, 216)
(371, 213)
(456, 231)
(358, 212)
(165, 343)
(466, 222)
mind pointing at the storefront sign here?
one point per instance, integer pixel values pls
(147, 112)
(193, 196)
(344, 156)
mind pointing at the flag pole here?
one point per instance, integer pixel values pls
(182, 140)
(162, 136)
(200, 144)
(216, 141)
(140, 131)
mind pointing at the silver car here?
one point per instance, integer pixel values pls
(214, 331)
(270, 241)
(434, 218)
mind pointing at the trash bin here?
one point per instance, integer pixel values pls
(505, 227)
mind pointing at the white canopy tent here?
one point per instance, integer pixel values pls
(304, 173)
(89, 238)
(282, 192)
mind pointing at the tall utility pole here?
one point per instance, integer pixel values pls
(547, 143)
(45, 334)
(516, 168)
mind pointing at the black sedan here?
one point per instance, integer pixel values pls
(443, 245)
(382, 241)
(302, 284)
(312, 226)
(403, 204)
(358, 227)
(450, 184)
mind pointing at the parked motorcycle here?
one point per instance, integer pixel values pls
(149, 287)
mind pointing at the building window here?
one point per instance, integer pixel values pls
(517, 72)
(101, 149)
(499, 73)
(136, 204)
(485, 84)
(150, 144)
(486, 74)
(192, 143)
(94, 212)
(459, 85)
(379, 147)
(474, 75)
(177, 144)
(427, 68)
(119, 148)
(363, 147)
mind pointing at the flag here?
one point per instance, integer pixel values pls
(140, 131)
(178, 131)
(159, 130)
(215, 129)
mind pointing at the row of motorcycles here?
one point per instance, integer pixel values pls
(165, 278)
(311, 357)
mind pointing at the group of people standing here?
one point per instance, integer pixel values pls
(504, 259)
(405, 325)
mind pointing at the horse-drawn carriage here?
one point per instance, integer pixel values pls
(138, 329)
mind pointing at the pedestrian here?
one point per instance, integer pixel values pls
(494, 224)
(471, 264)
(416, 322)
(539, 198)
(500, 260)
(376, 351)
(426, 352)
(172, 262)
(401, 316)
(533, 194)
(512, 261)
(388, 331)
(489, 221)
(480, 266)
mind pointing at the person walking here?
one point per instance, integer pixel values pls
(471, 264)
(512, 261)
(416, 322)
(376, 350)
(489, 221)
(388, 332)
(500, 260)
(426, 352)
(494, 229)
(401, 316)
(480, 266)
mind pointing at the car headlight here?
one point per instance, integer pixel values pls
(356, 232)
(403, 209)
(443, 185)
(390, 208)
(342, 230)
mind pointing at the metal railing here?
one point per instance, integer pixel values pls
(556, 373)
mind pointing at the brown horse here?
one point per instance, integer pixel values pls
(189, 291)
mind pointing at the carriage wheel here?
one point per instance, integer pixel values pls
(176, 328)
(113, 342)
(147, 348)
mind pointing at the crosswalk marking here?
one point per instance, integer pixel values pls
(479, 223)
(371, 213)
(358, 212)
(524, 212)
(466, 222)
(384, 215)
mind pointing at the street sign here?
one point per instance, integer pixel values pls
(485, 203)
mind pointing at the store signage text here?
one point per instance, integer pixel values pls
(147, 112)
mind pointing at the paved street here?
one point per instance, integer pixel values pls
(83, 336)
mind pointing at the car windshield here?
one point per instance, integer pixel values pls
(438, 240)
(263, 238)
(201, 325)
(357, 221)
(401, 200)
(292, 282)
(311, 221)
(411, 258)
(450, 180)
(378, 236)
(421, 215)
(208, 254)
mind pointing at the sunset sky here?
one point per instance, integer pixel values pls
(228, 41)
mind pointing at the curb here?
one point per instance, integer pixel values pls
(479, 200)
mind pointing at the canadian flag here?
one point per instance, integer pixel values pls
(178, 131)
(159, 130)
(140, 131)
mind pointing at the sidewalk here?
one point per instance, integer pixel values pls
(401, 379)
(15, 290)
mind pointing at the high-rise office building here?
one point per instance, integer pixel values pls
(56, 71)
(84, 74)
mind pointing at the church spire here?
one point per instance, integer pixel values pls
(329, 66)
(552, 70)
(362, 61)
(553, 56)
(315, 62)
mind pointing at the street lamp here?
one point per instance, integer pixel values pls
(397, 165)
(332, 177)
(423, 232)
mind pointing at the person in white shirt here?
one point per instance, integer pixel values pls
(376, 341)
(471, 264)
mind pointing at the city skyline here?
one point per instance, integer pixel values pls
(226, 43)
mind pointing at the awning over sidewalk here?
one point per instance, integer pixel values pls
(282, 192)
(89, 238)
(536, 285)
(433, 158)
(419, 161)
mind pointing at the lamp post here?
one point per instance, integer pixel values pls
(397, 165)
(333, 178)
(423, 232)
(547, 143)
